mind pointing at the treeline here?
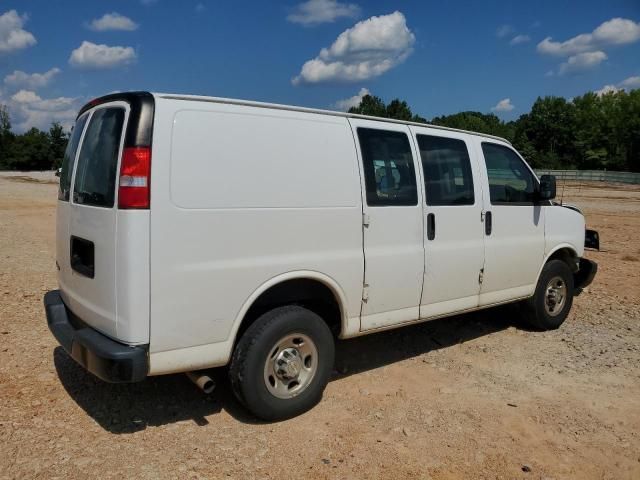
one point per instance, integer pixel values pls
(588, 132)
(34, 149)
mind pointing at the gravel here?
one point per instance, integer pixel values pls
(473, 396)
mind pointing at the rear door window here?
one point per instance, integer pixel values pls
(70, 158)
(98, 160)
(447, 171)
(388, 168)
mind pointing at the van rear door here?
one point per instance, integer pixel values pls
(63, 210)
(103, 218)
(88, 281)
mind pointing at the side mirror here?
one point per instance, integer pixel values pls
(547, 189)
(591, 239)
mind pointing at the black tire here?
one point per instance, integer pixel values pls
(535, 309)
(247, 368)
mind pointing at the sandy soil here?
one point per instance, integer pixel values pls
(475, 396)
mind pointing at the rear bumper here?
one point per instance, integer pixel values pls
(105, 358)
(584, 276)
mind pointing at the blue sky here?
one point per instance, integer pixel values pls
(440, 56)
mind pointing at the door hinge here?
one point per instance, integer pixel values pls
(365, 292)
(365, 219)
(482, 216)
(481, 276)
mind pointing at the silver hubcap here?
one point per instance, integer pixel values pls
(291, 366)
(556, 296)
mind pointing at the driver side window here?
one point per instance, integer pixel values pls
(510, 181)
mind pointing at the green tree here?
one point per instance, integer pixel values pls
(57, 143)
(32, 151)
(476, 122)
(370, 105)
(550, 128)
(6, 137)
(399, 109)
(629, 130)
(590, 131)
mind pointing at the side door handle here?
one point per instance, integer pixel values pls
(487, 223)
(431, 226)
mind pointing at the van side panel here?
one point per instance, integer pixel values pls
(241, 195)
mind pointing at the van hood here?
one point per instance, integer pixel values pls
(569, 206)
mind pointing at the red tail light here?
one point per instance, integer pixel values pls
(135, 178)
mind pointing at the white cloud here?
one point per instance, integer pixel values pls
(92, 56)
(113, 21)
(313, 12)
(503, 105)
(508, 31)
(582, 61)
(27, 110)
(12, 36)
(366, 50)
(503, 31)
(25, 96)
(518, 39)
(346, 103)
(32, 81)
(617, 31)
(630, 83)
(33, 100)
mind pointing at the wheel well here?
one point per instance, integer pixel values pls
(308, 293)
(568, 256)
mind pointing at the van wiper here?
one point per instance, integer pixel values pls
(97, 198)
(90, 198)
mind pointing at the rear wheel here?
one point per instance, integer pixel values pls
(282, 363)
(551, 303)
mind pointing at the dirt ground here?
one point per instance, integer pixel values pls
(475, 396)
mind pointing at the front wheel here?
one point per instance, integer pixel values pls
(550, 305)
(282, 363)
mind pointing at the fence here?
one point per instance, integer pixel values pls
(593, 176)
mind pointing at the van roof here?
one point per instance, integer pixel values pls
(277, 106)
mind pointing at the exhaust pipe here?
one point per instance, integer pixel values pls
(204, 382)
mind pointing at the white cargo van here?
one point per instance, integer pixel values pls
(196, 232)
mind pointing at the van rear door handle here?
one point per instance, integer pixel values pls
(431, 226)
(82, 256)
(487, 223)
